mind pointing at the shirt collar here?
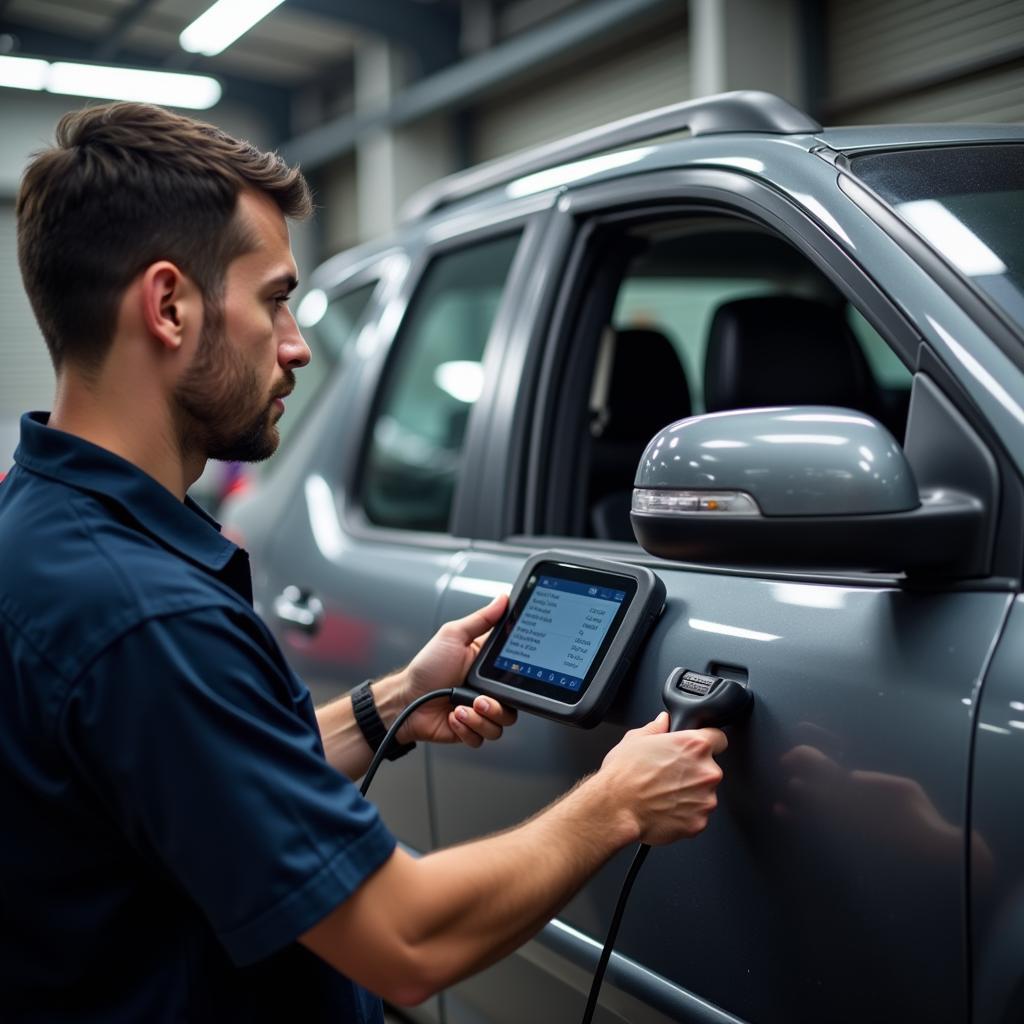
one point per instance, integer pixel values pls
(70, 460)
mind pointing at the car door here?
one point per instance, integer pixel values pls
(362, 516)
(830, 884)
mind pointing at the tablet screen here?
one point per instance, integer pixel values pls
(556, 635)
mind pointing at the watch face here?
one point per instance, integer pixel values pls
(554, 640)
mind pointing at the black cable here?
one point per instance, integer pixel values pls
(463, 695)
(613, 929)
(456, 694)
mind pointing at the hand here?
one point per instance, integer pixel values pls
(444, 661)
(666, 780)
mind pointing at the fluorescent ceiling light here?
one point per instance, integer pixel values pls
(23, 73)
(195, 92)
(216, 29)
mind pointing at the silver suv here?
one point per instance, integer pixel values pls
(612, 338)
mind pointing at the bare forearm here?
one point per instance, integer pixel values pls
(427, 923)
(510, 885)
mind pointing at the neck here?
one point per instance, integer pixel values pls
(129, 421)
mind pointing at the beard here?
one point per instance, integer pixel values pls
(221, 409)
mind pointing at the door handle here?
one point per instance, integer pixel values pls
(299, 608)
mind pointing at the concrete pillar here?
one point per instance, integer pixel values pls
(746, 44)
(391, 165)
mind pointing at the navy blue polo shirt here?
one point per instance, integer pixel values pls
(170, 823)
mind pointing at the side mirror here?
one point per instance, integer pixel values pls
(797, 488)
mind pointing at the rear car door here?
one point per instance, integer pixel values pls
(353, 533)
(831, 883)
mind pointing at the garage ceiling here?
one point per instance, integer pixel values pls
(301, 43)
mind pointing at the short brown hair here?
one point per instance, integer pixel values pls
(126, 185)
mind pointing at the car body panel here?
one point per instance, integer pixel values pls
(997, 840)
(837, 880)
(856, 680)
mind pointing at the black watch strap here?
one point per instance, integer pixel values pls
(364, 707)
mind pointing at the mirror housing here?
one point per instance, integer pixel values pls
(811, 487)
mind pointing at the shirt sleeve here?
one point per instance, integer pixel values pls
(192, 734)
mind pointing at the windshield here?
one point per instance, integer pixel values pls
(968, 202)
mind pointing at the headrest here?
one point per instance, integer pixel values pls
(646, 386)
(783, 350)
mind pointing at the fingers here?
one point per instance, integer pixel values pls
(495, 711)
(469, 627)
(485, 720)
(462, 730)
(716, 740)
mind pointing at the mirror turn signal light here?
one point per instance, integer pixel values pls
(650, 501)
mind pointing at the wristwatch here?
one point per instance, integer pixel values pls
(364, 707)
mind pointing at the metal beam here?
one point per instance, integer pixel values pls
(125, 21)
(271, 102)
(814, 50)
(430, 31)
(456, 87)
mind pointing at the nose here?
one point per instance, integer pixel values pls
(293, 352)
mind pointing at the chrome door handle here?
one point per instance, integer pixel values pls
(299, 608)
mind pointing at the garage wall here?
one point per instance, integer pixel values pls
(27, 378)
(635, 76)
(996, 95)
(925, 60)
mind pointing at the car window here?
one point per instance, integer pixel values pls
(709, 316)
(968, 202)
(331, 338)
(681, 309)
(434, 379)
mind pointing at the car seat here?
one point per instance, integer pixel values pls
(784, 350)
(639, 387)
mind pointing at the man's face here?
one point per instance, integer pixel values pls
(231, 396)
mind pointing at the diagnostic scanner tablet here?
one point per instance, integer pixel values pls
(573, 627)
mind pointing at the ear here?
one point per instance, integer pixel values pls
(171, 304)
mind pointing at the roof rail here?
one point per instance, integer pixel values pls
(747, 110)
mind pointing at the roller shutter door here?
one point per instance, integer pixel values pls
(26, 381)
(924, 60)
(610, 84)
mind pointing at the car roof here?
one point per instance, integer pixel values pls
(730, 129)
(742, 114)
(893, 136)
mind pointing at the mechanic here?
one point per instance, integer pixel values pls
(182, 838)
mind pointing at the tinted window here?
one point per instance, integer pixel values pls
(709, 316)
(968, 202)
(681, 309)
(435, 378)
(330, 339)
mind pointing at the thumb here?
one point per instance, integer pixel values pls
(476, 623)
(659, 724)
